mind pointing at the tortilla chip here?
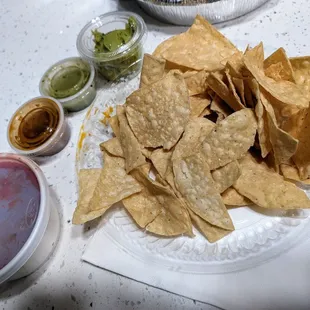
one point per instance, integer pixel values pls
(239, 86)
(262, 120)
(130, 145)
(206, 112)
(250, 102)
(112, 185)
(268, 189)
(161, 159)
(212, 233)
(262, 129)
(302, 155)
(216, 83)
(198, 104)
(284, 91)
(192, 49)
(220, 107)
(232, 198)
(197, 83)
(163, 46)
(88, 179)
(194, 181)
(157, 209)
(153, 69)
(283, 144)
(278, 67)
(301, 69)
(289, 171)
(113, 147)
(113, 122)
(226, 176)
(233, 90)
(195, 132)
(230, 139)
(158, 114)
(235, 65)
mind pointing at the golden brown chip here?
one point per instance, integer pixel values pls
(192, 48)
(197, 83)
(262, 120)
(220, 107)
(195, 132)
(284, 91)
(289, 171)
(194, 181)
(153, 69)
(113, 122)
(283, 144)
(198, 104)
(262, 129)
(250, 102)
(88, 179)
(278, 67)
(113, 147)
(216, 83)
(161, 159)
(233, 90)
(235, 65)
(230, 139)
(239, 86)
(268, 189)
(130, 145)
(226, 176)
(163, 46)
(212, 233)
(112, 185)
(143, 207)
(157, 209)
(302, 155)
(158, 114)
(301, 69)
(206, 112)
(232, 198)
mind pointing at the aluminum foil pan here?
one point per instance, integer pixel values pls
(183, 12)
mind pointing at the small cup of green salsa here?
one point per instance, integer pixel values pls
(72, 82)
(113, 42)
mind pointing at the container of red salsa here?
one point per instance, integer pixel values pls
(29, 221)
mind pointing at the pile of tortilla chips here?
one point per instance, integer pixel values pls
(216, 126)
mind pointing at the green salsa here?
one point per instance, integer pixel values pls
(68, 81)
(127, 62)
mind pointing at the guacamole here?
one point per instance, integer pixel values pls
(112, 67)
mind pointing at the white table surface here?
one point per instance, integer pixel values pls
(34, 35)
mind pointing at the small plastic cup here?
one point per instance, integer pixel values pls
(85, 94)
(126, 60)
(54, 139)
(29, 221)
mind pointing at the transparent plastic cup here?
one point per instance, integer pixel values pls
(56, 141)
(84, 97)
(126, 60)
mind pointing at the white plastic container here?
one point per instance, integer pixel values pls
(29, 232)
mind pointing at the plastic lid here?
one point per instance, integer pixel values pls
(19, 207)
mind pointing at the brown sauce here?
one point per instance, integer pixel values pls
(35, 124)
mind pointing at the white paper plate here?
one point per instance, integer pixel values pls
(259, 236)
(214, 12)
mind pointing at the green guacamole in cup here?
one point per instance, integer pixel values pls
(111, 64)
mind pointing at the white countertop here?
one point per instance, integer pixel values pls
(34, 35)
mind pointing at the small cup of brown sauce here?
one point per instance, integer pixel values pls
(38, 128)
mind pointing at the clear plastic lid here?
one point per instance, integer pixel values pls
(19, 206)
